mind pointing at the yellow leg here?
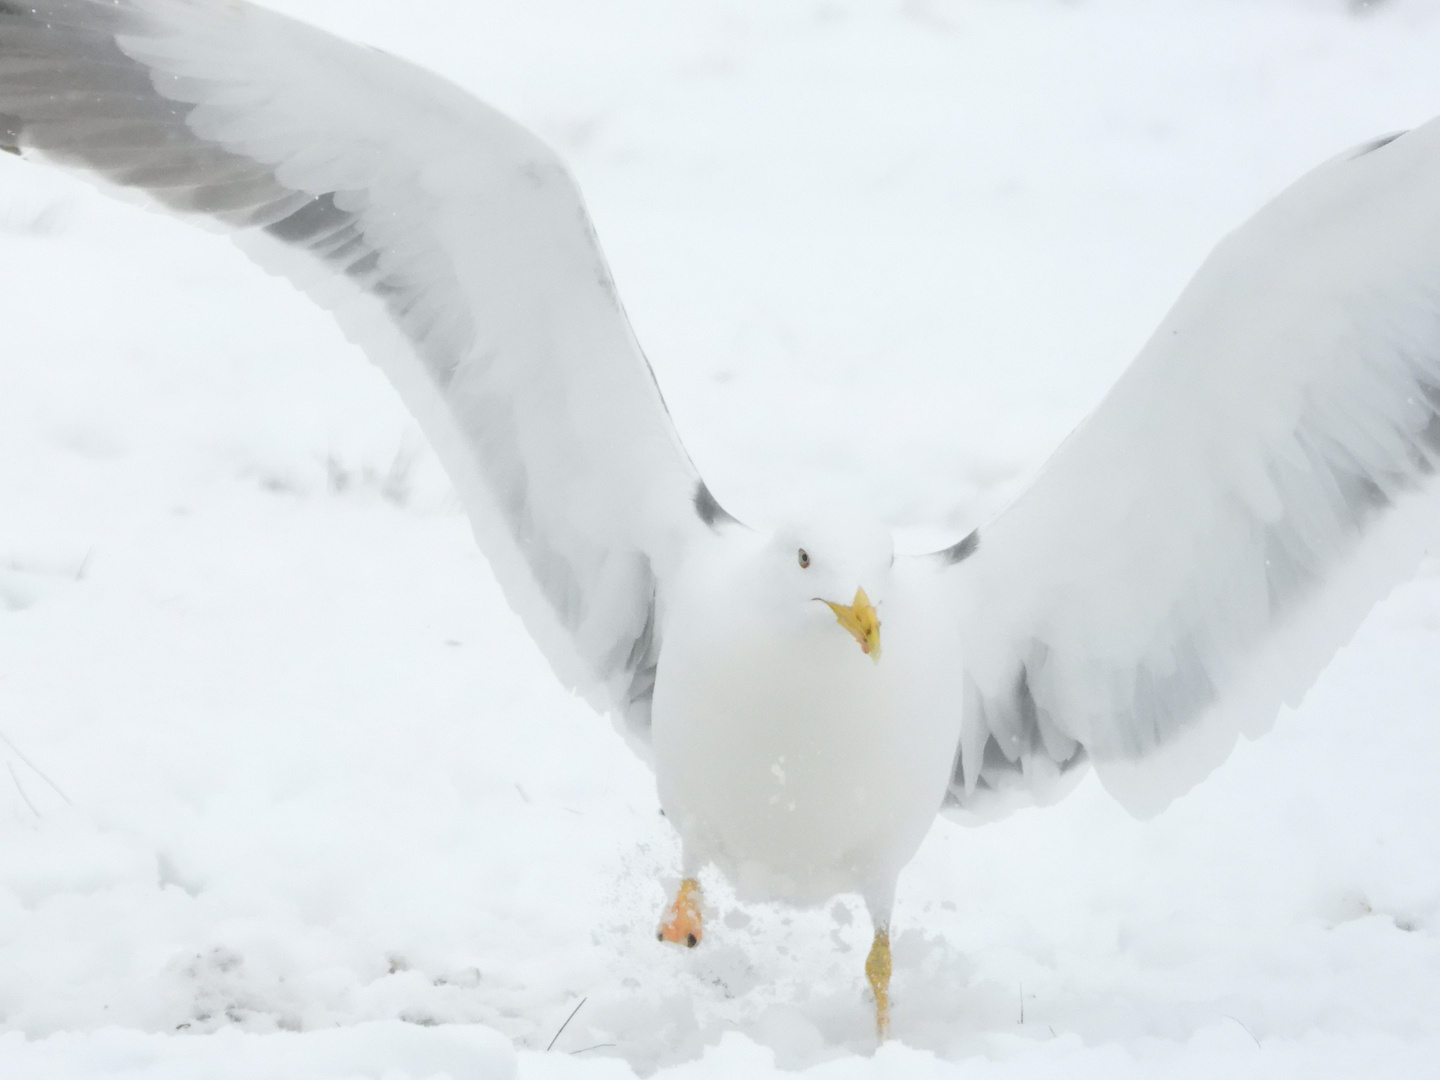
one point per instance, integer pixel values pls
(681, 923)
(877, 970)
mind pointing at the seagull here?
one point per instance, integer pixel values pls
(1188, 560)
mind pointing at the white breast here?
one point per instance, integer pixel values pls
(786, 755)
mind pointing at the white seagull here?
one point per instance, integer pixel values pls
(1189, 559)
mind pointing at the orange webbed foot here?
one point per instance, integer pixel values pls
(681, 924)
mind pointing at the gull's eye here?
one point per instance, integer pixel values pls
(804, 559)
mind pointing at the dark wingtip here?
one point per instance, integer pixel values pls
(959, 552)
(710, 511)
(1375, 144)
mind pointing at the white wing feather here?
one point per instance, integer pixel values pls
(450, 244)
(1263, 473)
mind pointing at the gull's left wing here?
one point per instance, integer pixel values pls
(451, 245)
(1194, 553)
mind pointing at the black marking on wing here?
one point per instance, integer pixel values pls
(710, 511)
(1374, 144)
(959, 552)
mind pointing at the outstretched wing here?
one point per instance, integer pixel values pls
(450, 244)
(1263, 473)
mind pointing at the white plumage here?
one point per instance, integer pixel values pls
(1190, 558)
(784, 753)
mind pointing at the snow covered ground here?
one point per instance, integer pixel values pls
(325, 812)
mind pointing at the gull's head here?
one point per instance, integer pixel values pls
(837, 572)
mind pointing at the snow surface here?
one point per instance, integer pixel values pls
(325, 812)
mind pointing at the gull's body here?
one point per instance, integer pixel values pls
(782, 752)
(1189, 559)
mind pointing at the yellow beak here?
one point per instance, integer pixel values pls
(862, 622)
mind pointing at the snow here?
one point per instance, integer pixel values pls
(326, 813)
